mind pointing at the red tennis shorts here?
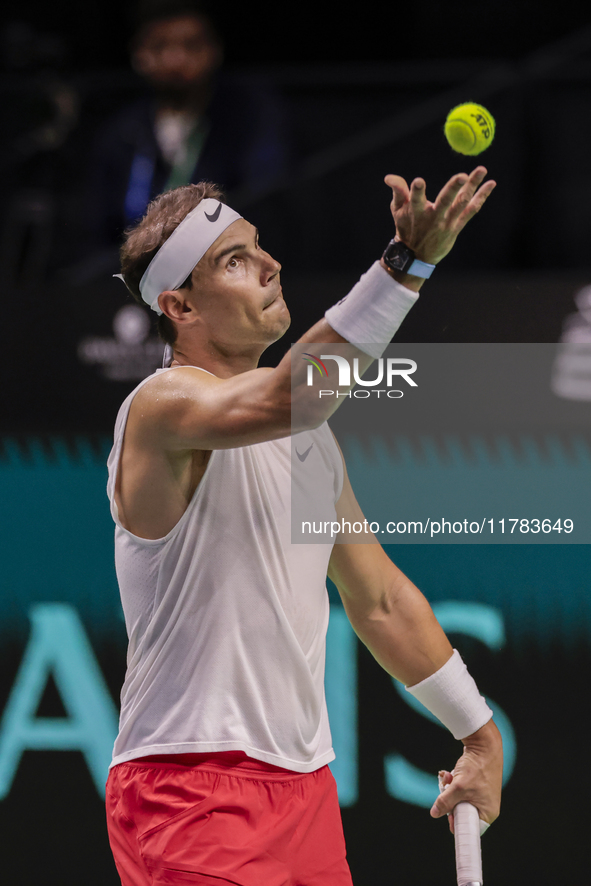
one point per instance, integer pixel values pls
(218, 819)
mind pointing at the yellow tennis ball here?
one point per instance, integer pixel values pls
(469, 128)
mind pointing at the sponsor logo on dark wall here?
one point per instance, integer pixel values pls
(130, 354)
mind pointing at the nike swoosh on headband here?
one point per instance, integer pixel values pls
(214, 216)
(185, 247)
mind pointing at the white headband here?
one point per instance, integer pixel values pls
(186, 246)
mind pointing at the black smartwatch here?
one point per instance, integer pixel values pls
(399, 257)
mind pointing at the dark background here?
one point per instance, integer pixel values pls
(97, 33)
(367, 91)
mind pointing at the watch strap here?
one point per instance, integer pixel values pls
(421, 269)
(400, 257)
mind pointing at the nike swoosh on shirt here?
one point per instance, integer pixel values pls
(305, 454)
(214, 216)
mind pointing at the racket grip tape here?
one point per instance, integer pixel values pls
(467, 840)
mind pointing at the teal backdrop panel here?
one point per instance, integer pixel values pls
(57, 545)
(57, 533)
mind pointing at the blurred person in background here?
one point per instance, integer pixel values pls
(199, 122)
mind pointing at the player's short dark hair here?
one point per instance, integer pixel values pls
(144, 239)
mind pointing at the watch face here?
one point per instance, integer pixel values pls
(397, 261)
(398, 257)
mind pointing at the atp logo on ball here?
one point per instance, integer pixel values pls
(469, 129)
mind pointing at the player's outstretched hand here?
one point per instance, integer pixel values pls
(430, 229)
(476, 778)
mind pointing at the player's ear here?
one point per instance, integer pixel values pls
(176, 307)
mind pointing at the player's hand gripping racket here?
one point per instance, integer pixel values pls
(467, 840)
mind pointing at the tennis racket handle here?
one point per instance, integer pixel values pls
(467, 839)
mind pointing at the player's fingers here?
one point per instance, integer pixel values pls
(392, 180)
(400, 191)
(466, 192)
(451, 794)
(438, 809)
(444, 778)
(475, 204)
(449, 191)
(418, 194)
(477, 176)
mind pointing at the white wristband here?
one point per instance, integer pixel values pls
(372, 312)
(453, 697)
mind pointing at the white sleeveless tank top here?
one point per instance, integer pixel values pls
(226, 618)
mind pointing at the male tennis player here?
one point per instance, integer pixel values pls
(219, 773)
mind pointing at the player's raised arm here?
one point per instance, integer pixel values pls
(222, 304)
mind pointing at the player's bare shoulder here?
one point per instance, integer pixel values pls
(187, 408)
(159, 471)
(160, 409)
